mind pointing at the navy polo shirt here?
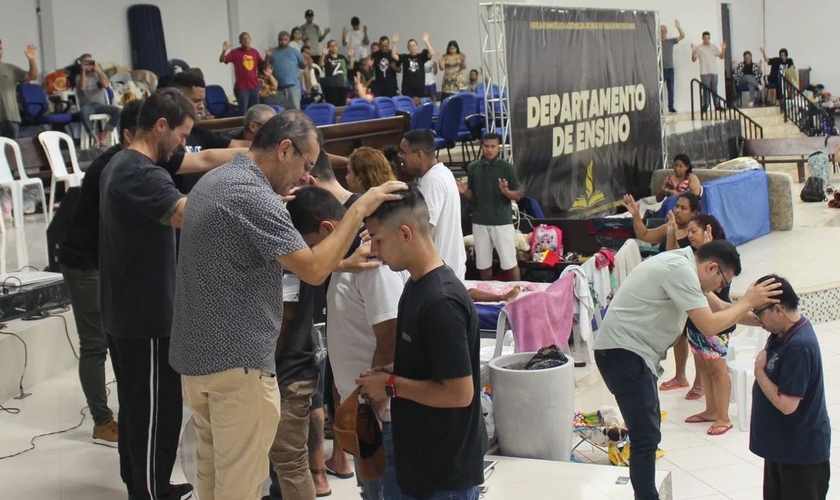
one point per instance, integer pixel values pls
(794, 364)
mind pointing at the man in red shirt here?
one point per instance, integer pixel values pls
(246, 66)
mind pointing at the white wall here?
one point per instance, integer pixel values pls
(18, 27)
(194, 32)
(808, 30)
(264, 19)
(747, 27)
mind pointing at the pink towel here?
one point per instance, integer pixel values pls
(540, 319)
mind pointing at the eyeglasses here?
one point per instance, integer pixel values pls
(726, 282)
(757, 312)
(309, 165)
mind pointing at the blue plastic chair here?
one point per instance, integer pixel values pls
(358, 112)
(531, 207)
(359, 100)
(465, 136)
(448, 124)
(217, 102)
(35, 109)
(277, 108)
(385, 107)
(321, 113)
(404, 103)
(421, 117)
(435, 111)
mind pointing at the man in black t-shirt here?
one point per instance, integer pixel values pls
(439, 437)
(414, 75)
(79, 261)
(193, 86)
(139, 209)
(336, 68)
(384, 71)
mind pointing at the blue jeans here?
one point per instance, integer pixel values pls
(291, 93)
(95, 108)
(247, 98)
(668, 74)
(634, 386)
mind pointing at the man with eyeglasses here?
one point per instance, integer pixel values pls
(789, 426)
(646, 317)
(236, 241)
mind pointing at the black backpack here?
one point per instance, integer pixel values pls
(814, 190)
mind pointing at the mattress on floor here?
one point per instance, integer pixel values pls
(741, 203)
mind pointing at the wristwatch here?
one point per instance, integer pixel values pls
(390, 388)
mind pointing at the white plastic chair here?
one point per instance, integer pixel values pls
(100, 120)
(51, 142)
(742, 370)
(16, 186)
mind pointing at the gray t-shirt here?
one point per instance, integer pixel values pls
(708, 56)
(10, 76)
(92, 93)
(229, 284)
(668, 52)
(312, 31)
(648, 312)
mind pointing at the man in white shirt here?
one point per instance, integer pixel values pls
(439, 188)
(356, 39)
(361, 309)
(708, 53)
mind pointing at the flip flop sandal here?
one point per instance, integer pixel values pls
(697, 419)
(717, 430)
(339, 474)
(695, 393)
(672, 384)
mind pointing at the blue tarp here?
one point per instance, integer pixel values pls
(741, 203)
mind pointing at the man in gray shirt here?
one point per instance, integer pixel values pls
(236, 240)
(668, 60)
(10, 76)
(646, 317)
(311, 30)
(708, 53)
(91, 85)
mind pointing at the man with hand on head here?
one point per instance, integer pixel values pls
(139, 211)
(79, 260)
(439, 437)
(646, 317)
(236, 241)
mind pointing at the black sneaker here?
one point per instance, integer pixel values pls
(183, 491)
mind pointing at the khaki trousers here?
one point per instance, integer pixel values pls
(236, 414)
(290, 453)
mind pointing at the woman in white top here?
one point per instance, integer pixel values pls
(296, 39)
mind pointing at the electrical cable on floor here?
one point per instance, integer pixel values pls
(30, 267)
(56, 312)
(15, 411)
(53, 433)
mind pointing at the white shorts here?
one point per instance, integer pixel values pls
(502, 238)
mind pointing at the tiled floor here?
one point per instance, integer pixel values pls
(69, 467)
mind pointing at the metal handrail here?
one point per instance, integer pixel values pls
(750, 129)
(810, 118)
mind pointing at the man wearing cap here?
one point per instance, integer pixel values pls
(789, 427)
(439, 438)
(311, 30)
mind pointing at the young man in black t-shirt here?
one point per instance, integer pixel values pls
(414, 75)
(79, 260)
(140, 207)
(439, 438)
(384, 71)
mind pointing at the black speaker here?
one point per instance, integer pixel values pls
(57, 229)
